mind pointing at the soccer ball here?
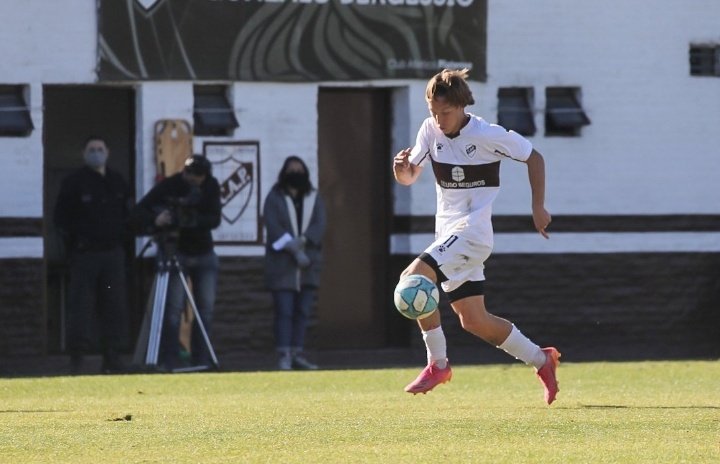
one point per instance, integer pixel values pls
(416, 296)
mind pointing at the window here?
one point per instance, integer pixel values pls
(15, 118)
(563, 113)
(705, 60)
(212, 112)
(515, 109)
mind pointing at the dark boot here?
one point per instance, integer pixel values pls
(76, 363)
(112, 364)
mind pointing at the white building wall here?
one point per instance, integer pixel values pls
(41, 42)
(157, 100)
(48, 41)
(283, 118)
(21, 179)
(653, 146)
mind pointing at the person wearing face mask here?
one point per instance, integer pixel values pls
(91, 217)
(294, 218)
(184, 209)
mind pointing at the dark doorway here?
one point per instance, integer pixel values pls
(71, 114)
(354, 170)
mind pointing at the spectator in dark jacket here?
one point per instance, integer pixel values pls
(91, 216)
(294, 218)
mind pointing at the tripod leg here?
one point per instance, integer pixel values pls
(198, 319)
(158, 316)
(144, 335)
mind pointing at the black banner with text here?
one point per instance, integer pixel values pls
(289, 40)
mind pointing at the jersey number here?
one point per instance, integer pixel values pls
(446, 244)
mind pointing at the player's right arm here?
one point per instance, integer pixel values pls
(404, 171)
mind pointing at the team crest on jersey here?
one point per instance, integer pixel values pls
(458, 174)
(470, 151)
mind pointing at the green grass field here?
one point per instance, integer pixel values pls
(652, 412)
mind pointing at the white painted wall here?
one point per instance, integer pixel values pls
(21, 179)
(41, 42)
(652, 147)
(48, 41)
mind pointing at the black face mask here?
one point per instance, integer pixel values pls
(297, 180)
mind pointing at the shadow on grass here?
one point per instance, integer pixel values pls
(26, 411)
(621, 406)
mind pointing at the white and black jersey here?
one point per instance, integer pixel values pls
(467, 173)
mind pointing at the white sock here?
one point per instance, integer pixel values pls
(436, 347)
(519, 346)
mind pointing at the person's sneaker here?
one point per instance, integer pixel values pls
(300, 362)
(546, 374)
(285, 363)
(76, 364)
(429, 378)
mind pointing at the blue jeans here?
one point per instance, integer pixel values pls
(292, 311)
(202, 273)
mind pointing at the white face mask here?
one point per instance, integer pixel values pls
(95, 157)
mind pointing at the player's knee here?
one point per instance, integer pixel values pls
(420, 266)
(471, 322)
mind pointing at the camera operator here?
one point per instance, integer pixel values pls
(181, 212)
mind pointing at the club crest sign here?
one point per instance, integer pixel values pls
(236, 188)
(147, 4)
(236, 168)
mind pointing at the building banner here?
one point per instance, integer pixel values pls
(289, 40)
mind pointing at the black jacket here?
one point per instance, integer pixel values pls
(195, 212)
(91, 212)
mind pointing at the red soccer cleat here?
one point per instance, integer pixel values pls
(546, 374)
(429, 378)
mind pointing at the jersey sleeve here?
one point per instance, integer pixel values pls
(420, 153)
(508, 143)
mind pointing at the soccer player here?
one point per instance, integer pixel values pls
(465, 153)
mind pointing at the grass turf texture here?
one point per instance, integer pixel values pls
(652, 412)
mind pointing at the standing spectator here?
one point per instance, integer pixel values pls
(182, 210)
(294, 217)
(91, 216)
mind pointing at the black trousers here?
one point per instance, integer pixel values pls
(97, 299)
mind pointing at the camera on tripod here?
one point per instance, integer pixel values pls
(183, 213)
(184, 210)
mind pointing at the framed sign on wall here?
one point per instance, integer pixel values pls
(236, 166)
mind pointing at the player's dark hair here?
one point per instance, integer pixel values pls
(450, 84)
(283, 179)
(92, 138)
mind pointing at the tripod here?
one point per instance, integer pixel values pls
(147, 347)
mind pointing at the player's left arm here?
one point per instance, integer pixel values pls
(405, 172)
(536, 175)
